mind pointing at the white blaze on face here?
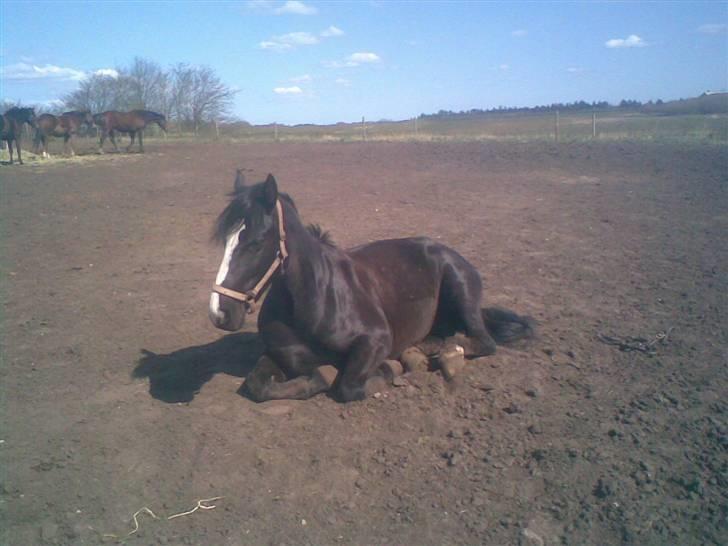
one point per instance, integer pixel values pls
(230, 244)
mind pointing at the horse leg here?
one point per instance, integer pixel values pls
(67, 145)
(287, 357)
(102, 137)
(10, 149)
(132, 135)
(17, 147)
(141, 144)
(268, 382)
(112, 135)
(460, 295)
(362, 364)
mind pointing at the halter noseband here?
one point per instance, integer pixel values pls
(250, 297)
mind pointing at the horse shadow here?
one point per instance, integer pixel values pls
(178, 376)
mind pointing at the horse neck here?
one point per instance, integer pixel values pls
(307, 256)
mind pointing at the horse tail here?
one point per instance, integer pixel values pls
(505, 326)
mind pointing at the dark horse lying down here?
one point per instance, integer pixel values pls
(66, 125)
(132, 123)
(350, 309)
(11, 128)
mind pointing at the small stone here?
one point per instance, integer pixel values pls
(414, 360)
(512, 408)
(452, 360)
(533, 393)
(529, 538)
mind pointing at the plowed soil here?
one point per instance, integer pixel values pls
(118, 393)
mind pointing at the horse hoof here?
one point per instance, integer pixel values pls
(326, 374)
(452, 360)
(391, 369)
(415, 360)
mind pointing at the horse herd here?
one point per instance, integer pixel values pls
(67, 124)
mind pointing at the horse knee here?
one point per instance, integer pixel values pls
(259, 379)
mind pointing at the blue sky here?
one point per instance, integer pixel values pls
(323, 62)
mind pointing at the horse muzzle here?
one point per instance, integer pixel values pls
(226, 313)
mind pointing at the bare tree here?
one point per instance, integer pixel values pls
(187, 94)
(198, 95)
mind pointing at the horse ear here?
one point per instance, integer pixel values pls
(239, 181)
(270, 192)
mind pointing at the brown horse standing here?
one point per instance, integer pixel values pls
(132, 123)
(11, 127)
(66, 125)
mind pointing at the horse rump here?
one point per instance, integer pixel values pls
(505, 326)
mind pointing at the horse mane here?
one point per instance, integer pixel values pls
(76, 113)
(232, 215)
(148, 115)
(323, 236)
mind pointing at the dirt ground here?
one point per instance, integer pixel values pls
(118, 393)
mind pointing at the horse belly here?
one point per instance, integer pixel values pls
(412, 323)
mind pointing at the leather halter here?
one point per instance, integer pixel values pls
(250, 297)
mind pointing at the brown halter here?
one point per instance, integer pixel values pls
(250, 297)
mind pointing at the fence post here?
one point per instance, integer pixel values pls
(275, 131)
(363, 129)
(594, 124)
(556, 126)
(416, 129)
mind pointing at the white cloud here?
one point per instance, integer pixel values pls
(355, 59)
(363, 58)
(332, 31)
(305, 78)
(110, 72)
(630, 41)
(25, 71)
(294, 90)
(504, 67)
(574, 69)
(296, 8)
(289, 41)
(343, 81)
(520, 33)
(713, 28)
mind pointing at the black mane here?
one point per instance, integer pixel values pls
(148, 115)
(232, 214)
(321, 235)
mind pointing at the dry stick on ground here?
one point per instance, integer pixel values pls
(640, 344)
(200, 505)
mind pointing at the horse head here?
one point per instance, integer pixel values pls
(162, 122)
(22, 115)
(250, 228)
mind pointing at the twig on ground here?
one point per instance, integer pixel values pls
(641, 344)
(199, 505)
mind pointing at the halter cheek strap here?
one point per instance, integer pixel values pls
(251, 297)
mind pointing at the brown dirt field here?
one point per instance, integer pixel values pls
(106, 273)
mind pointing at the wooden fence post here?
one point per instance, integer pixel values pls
(556, 126)
(594, 124)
